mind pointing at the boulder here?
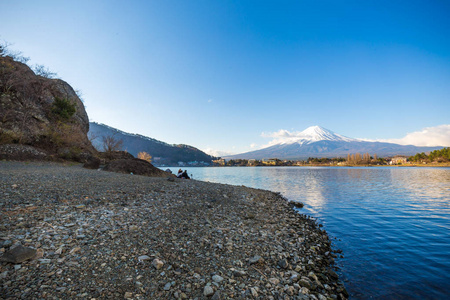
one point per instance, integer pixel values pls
(41, 112)
(135, 166)
(18, 254)
(92, 162)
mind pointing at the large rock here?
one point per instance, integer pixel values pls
(135, 166)
(21, 152)
(18, 254)
(41, 112)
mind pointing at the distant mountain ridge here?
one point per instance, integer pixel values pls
(317, 141)
(162, 153)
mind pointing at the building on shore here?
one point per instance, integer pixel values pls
(399, 160)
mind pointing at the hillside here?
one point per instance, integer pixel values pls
(162, 153)
(317, 141)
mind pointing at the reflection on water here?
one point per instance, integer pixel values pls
(393, 224)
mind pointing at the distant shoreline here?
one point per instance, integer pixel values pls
(432, 165)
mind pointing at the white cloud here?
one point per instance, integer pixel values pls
(217, 153)
(281, 136)
(253, 145)
(428, 137)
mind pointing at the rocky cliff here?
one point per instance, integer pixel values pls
(41, 112)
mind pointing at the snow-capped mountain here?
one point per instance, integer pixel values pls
(317, 133)
(316, 141)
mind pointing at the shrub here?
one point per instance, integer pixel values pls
(145, 156)
(8, 137)
(63, 108)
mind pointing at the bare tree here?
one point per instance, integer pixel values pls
(92, 136)
(4, 48)
(111, 143)
(43, 71)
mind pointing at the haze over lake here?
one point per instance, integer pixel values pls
(393, 224)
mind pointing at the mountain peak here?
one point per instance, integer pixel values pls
(318, 133)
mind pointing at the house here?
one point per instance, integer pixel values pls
(399, 160)
(220, 162)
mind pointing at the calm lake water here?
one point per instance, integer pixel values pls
(393, 224)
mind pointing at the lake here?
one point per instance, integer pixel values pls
(392, 224)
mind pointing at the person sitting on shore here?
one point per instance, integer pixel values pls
(185, 175)
(179, 173)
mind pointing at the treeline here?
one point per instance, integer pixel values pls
(255, 162)
(325, 160)
(439, 156)
(278, 162)
(364, 159)
(357, 159)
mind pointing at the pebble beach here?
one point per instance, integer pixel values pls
(72, 233)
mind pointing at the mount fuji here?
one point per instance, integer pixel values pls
(316, 141)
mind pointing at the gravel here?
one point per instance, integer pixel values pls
(106, 235)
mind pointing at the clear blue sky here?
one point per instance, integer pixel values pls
(216, 74)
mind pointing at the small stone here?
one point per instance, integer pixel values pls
(238, 273)
(216, 296)
(167, 286)
(304, 291)
(143, 258)
(333, 274)
(254, 292)
(7, 243)
(157, 263)
(217, 278)
(255, 259)
(283, 264)
(294, 278)
(208, 291)
(75, 250)
(128, 295)
(304, 281)
(39, 253)
(274, 281)
(4, 275)
(290, 290)
(313, 276)
(45, 260)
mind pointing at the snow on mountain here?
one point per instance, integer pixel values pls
(317, 133)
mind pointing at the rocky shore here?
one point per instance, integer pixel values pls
(68, 232)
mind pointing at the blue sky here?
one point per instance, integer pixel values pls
(218, 74)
